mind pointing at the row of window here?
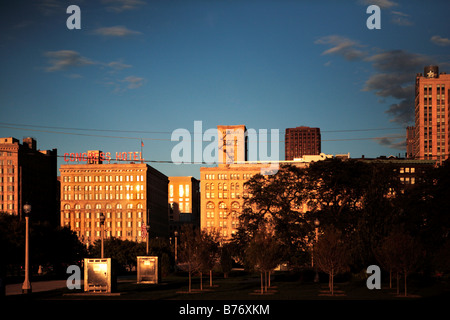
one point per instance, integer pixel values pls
(223, 224)
(233, 176)
(110, 178)
(222, 205)
(108, 224)
(107, 206)
(109, 234)
(222, 215)
(224, 186)
(108, 196)
(108, 215)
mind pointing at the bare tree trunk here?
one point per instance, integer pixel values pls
(398, 284)
(262, 283)
(390, 278)
(189, 281)
(405, 284)
(201, 281)
(269, 279)
(210, 278)
(265, 281)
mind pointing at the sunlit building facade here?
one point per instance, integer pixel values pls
(184, 201)
(432, 134)
(130, 195)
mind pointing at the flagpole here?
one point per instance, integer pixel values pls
(142, 144)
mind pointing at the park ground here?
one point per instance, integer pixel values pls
(289, 294)
(241, 285)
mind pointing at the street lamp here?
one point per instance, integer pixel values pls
(26, 287)
(176, 240)
(102, 224)
(316, 223)
(148, 236)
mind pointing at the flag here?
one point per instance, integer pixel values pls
(142, 143)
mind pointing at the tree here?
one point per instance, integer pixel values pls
(208, 253)
(226, 260)
(331, 254)
(400, 252)
(262, 254)
(189, 251)
(275, 201)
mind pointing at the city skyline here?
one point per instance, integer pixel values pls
(138, 70)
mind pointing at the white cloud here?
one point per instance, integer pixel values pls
(117, 65)
(401, 18)
(133, 82)
(64, 59)
(115, 31)
(438, 40)
(342, 46)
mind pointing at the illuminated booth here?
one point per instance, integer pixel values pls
(99, 276)
(148, 269)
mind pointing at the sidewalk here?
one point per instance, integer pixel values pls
(12, 289)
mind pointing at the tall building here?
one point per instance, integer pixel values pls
(130, 196)
(28, 175)
(432, 134)
(184, 201)
(232, 144)
(301, 141)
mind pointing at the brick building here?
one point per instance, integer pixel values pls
(130, 195)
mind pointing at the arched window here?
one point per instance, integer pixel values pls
(88, 207)
(129, 206)
(140, 206)
(222, 205)
(118, 206)
(235, 205)
(210, 205)
(67, 206)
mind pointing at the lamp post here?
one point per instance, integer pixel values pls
(102, 225)
(148, 236)
(26, 287)
(316, 223)
(176, 240)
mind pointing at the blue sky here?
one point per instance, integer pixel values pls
(141, 69)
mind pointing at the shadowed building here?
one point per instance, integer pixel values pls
(301, 141)
(28, 175)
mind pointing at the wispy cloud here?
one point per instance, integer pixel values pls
(122, 5)
(133, 82)
(64, 59)
(401, 19)
(440, 41)
(394, 142)
(342, 46)
(118, 65)
(115, 31)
